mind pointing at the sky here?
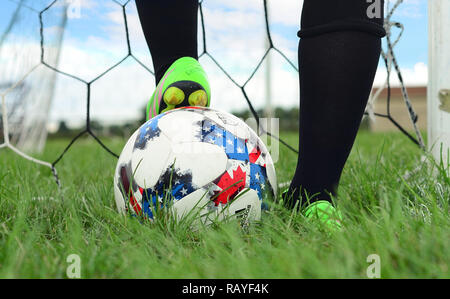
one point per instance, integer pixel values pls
(94, 40)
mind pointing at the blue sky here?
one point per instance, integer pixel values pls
(413, 14)
(235, 37)
(413, 47)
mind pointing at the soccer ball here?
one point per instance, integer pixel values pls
(194, 159)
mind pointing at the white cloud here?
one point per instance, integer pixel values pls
(410, 9)
(286, 12)
(235, 37)
(416, 76)
(77, 4)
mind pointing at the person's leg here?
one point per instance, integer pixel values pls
(170, 28)
(338, 57)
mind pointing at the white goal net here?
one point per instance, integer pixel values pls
(26, 85)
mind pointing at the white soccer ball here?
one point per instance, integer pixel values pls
(194, 160)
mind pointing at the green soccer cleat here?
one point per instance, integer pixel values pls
(321, 212)
(184, 84)
(325, 214)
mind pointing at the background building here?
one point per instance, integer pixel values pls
(418, 97)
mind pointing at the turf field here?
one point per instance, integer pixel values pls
(405, 221)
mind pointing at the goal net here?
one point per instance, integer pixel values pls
(26, 86)
(87, 60)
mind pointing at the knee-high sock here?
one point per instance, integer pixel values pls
(170, 28)
(337, 63)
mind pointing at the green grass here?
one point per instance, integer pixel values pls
(405, 221)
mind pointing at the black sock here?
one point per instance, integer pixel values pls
(170, 28)
(337, 66)
(336, 75)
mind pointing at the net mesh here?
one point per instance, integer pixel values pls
(28, 102)
(48, 65)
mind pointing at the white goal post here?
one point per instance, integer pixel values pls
(439, 80)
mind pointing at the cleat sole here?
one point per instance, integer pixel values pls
(198, 98)
(173, 96)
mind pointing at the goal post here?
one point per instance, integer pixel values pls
(439, 80)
